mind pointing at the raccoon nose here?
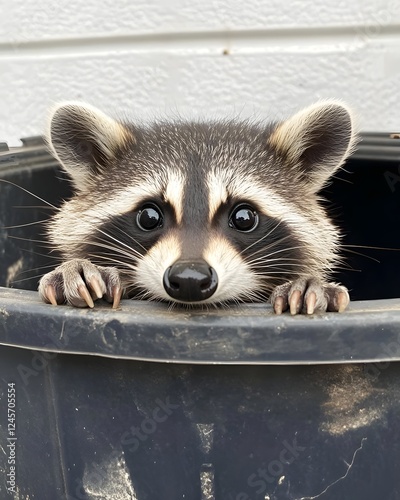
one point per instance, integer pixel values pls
(190, 281)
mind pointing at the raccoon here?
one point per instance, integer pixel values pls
(198, 213)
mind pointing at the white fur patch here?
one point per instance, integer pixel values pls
(150, 270)
(235, 278)
(217, 193)
(174, 193)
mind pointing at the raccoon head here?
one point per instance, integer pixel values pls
(200, 212)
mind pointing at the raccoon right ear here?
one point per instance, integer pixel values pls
(85, 140)
(315, 142)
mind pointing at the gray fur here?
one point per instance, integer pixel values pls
(197, 171)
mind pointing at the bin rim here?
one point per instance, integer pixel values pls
(251, 334)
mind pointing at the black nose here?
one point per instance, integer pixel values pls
(190, 281)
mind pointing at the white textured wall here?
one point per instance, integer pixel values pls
(211, 57)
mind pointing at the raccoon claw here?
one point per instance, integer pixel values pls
(117, 291)
(95, 286)
(309, 296)
(79, 283)
(338, 299)
(50, 294)
(295, 302)
(279, 305)
(83, 292)
(310, 302)
(342, 301)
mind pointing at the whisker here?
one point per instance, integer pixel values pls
(372, 248)
(35, 269)
(116, 240)
(347, 269)
(122, 251)
(262, 238)
(42, 242)
(269, 274)
(272, 245)
(288, 249)
(29, 251)
(29, 192)
(266, 264)
(263, 258)
(27, 279)
(362, 255)
(42, 207)
(113, 260)
(116, 226)
(24, 225)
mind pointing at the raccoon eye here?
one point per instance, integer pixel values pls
(149, 217)
(243, 218)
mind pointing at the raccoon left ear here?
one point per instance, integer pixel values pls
(85, 140)
(315, 142)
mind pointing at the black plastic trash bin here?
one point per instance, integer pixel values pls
(150, 404)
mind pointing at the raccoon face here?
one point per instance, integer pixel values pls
(197, 213)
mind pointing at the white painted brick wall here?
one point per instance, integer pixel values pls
(156, 57)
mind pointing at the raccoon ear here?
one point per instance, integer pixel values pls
(315, 142)
(85, 140)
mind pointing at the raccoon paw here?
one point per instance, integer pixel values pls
(78, 282)
(309, 296)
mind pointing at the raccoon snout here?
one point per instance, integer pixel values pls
(190, 281)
